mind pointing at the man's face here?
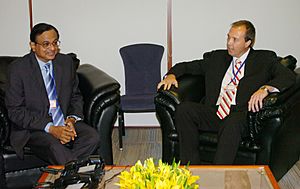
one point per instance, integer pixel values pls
(236, 44)
(46, 45)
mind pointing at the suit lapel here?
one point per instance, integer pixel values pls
(250, 63)
(57, 66)
(38, 78)
(228, 60)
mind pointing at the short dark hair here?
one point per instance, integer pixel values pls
(40, 28)
(250, 30)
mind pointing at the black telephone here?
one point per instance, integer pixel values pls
(87, 172)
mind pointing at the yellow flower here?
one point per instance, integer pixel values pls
(163, 176)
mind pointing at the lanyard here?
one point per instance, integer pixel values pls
(233, 80)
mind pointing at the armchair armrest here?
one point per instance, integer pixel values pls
(287, 97)
(101, 96)
(264, 124)
(190, 88)
(186, 91)
(276, 103)
(99, 90)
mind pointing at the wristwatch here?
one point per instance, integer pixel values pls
(265, 88)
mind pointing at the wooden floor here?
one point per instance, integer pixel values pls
(138, 144)
(141, 143)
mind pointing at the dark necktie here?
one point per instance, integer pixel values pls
(55, 110)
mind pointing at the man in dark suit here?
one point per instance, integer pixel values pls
(236, 81)
(44, 102)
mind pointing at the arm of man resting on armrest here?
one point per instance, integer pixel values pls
(256, 101)
(168, 81)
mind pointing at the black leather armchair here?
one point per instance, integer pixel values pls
(101, 96)
(271, 132)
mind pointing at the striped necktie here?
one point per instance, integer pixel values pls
(228, 94)
(55, 110)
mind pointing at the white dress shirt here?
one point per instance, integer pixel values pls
(227, 80)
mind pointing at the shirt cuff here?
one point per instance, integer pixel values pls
(274, 90)
(48, 127)
(75, 117)
(267, 88)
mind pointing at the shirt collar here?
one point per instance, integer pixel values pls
(42, 63)
(243, 57)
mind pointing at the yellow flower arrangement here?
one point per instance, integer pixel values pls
(163, 176)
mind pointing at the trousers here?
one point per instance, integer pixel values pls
(49, 148)
(193, 118)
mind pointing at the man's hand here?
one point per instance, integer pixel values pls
(256, 101)
(70, 122)
(168, 82)
(62, 133)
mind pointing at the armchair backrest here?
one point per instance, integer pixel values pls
(142, 65)
(4, 63)
(4, 122)
(288, 61)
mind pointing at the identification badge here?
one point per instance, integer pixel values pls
(52, 103)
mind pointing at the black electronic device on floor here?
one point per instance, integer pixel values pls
(84, 173)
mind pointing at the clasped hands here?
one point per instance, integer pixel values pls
(64, 133)
(254, 104)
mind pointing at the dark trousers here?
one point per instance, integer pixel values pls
(192, 118)
(49, 148)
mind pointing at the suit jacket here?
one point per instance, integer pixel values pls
(27, 100)
(261, 68)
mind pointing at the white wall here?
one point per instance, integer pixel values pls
(14, 27)
(202, 25)
(96, 29)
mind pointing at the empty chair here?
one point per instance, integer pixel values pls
(142, 66)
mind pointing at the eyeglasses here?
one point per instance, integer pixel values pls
(47, 44)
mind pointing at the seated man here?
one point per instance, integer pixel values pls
(236, 80)
(44, 102)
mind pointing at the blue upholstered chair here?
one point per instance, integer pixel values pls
(142, 66)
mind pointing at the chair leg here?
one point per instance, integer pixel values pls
(120, 128)
(123, 124)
